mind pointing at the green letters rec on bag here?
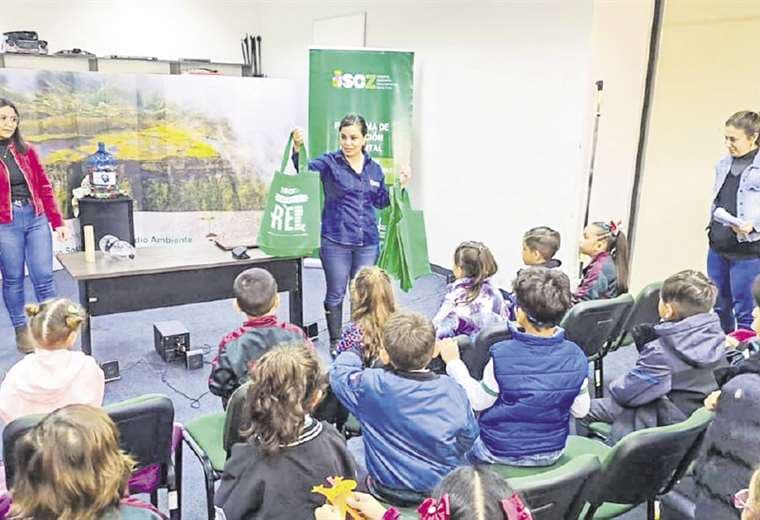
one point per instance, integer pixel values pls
(291, 223)
(404, 253)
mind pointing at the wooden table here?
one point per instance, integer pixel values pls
(166, 276)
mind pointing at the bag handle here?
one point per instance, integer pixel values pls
(303, 157)
(403, 196)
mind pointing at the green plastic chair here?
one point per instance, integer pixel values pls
(146, 429)
(600, 430)
(644, 311)
(560, 493)
(352, 427)
(557, 492)
(642, 466)
(591, 324)
(211, 436)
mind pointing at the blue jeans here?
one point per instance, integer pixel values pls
(733, 278)
(26, 239)
(355, 446)
(341, 263)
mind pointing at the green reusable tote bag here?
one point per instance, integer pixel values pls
(413, 241)
(385, 216)
(291, 222)
(390, 247)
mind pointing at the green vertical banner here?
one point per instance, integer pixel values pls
(377, 84)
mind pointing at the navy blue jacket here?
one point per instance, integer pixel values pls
(349, 215)
(416, 426)
(538, 378)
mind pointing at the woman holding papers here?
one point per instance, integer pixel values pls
(733, 260)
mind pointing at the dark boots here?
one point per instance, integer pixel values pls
(23, 340)
(334, 317)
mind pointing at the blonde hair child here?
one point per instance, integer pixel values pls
(372, 303)
(70, 467)
(53, 375)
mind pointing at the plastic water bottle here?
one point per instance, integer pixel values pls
(115, 248)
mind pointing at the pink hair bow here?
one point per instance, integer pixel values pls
(615, 227)
(514, 509)
(432, 509)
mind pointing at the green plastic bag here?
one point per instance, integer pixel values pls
(291, 222)
(413, 240)
(390, 248)
(404, 254)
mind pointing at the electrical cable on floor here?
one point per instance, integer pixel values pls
(162, 370)
(206, 349)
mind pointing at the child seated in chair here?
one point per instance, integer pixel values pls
(287, 451)
(533, 381)
(674, 371)
(606, 275)
(372, 303)
(53, 375)
(70, 467)
(255, 296)
(539, 245)
(416, 425)
(472, 301)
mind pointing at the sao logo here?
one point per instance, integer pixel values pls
(342, 79)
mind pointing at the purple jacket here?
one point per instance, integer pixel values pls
(456, 316)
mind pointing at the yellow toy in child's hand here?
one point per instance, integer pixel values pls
(338, 494)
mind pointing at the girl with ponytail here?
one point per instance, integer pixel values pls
(606, 276)
(53, 375)
(471, 301)
(372, 303)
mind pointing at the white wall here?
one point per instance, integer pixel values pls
(167, 29)
(501, 104)
(620, 47)
(500, 110)
(706, 71)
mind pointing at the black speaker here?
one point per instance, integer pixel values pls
(171, 340)
(108, 217)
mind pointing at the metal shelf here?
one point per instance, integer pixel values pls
(117, 65)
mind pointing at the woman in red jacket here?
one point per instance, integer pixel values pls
(27, 212)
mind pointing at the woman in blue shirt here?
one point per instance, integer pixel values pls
(354, 189)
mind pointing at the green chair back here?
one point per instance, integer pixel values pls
(644, 311)
(591, 324)
(647, 463)
(237, 418)
(145, 429)
(561, 493)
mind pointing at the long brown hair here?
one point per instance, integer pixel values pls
(70, 467)
(476, 262)
(286, 384)
(16, 137)
(617, 247)
(372, 303)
